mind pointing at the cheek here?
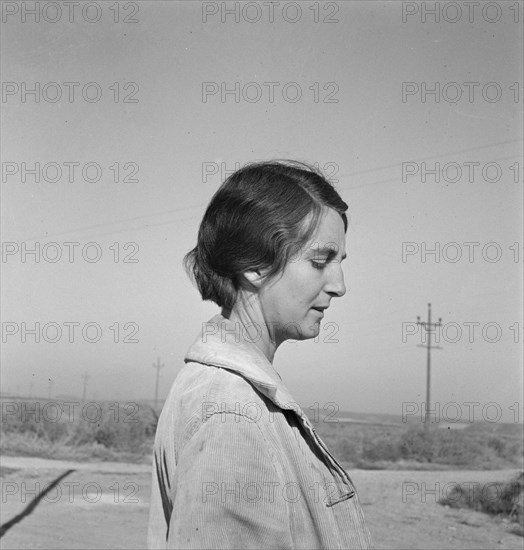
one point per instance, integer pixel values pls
(305, 290)
(296, 291)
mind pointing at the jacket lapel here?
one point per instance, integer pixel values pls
(218, 345)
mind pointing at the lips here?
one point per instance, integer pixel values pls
(321, 309)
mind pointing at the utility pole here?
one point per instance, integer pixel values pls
(85, 378)
(429, 327)
(157, 366)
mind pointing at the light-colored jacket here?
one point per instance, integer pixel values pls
(237, 464)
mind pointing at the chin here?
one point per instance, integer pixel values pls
(303, 331)
(310, 331)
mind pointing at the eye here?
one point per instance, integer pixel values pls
(318, 265)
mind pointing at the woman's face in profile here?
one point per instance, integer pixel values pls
(293, 303)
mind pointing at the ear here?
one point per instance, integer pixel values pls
(256, 277)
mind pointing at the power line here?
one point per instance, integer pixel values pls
(369, 170)
(338, 187)
(148, 225)
(202, 205)
(199, 206)
(88, 227)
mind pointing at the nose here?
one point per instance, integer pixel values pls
(335, 286)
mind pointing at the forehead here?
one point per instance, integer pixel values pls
(329, 232)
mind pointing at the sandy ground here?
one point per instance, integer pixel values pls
(105, 505)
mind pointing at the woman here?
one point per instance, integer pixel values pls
(237, 464)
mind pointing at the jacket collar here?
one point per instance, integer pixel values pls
(222, 343)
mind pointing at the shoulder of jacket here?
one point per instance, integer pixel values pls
(201, 391)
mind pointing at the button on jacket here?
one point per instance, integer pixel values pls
(237, 464)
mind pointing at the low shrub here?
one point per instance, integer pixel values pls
(111, 432)
(496, 499)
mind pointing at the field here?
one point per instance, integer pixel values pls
(379, 443)
(105, 430)
(413, 483)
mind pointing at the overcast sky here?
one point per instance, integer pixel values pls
(132, 152)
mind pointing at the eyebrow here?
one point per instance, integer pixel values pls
(328, 251)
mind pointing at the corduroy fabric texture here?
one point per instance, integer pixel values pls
(238, 465)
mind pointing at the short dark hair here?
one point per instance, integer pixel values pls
(253, 221)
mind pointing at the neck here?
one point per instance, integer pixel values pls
(251, 320)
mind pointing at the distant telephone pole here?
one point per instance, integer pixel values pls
(85, 378)
(157, 366)
(429, 326)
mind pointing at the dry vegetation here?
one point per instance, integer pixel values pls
(121, 432)
(395, 446)
(496, 499)
(125, 432)
(110, 431)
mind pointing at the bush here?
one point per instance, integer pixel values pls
(115, 430)
(454, 447)
(417, 444)
(496, 499)
(381, 450)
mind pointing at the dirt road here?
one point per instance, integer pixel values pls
(105, 505)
